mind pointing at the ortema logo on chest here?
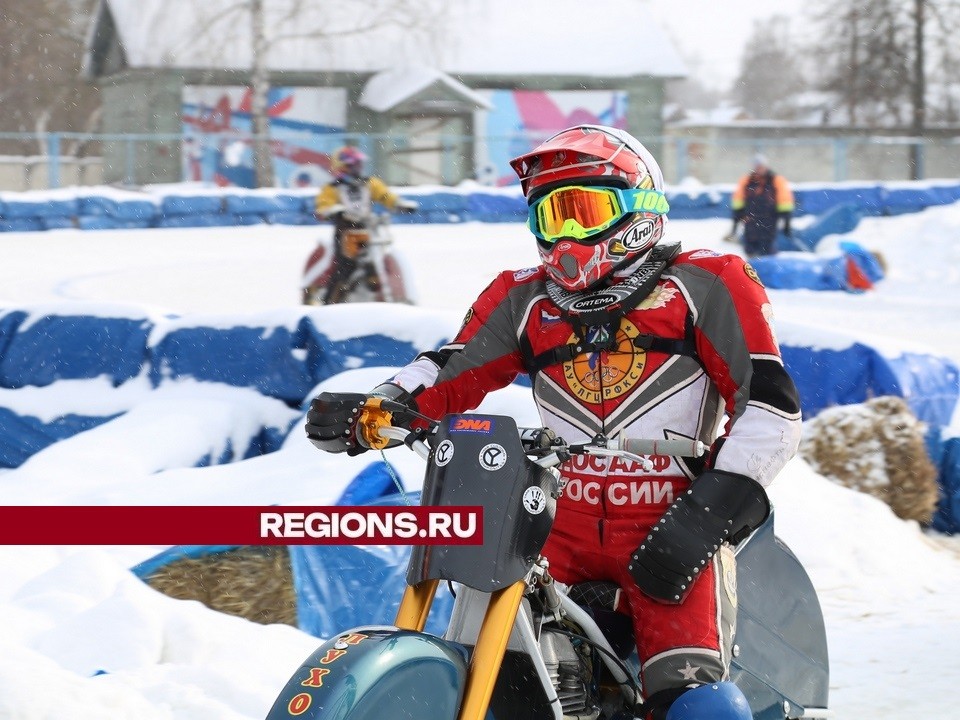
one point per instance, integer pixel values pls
(594, 301)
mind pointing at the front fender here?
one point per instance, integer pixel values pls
(369, 672)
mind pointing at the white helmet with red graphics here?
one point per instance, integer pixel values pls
(596, 203)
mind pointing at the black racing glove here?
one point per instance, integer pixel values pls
(333, 418)
(719, 507)
(332, 422)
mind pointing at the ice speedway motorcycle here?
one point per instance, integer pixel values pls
(520, 646)
(379, 275)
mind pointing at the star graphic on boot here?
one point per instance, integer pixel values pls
(690, 671)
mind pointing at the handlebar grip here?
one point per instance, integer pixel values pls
(373, 419)
(675, 448)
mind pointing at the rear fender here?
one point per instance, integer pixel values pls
(366, 672)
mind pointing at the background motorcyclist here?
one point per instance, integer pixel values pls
(348, 202)
(623, 334)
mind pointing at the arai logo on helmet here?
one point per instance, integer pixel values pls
(594, 301)
(639, 235)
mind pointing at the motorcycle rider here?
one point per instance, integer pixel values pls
(348, 201)
(624, 334)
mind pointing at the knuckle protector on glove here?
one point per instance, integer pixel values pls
(719, 507)
(332, 421)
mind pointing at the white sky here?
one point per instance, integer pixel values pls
(711, 35)
(889, 591)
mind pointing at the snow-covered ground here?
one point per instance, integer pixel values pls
(82, 638)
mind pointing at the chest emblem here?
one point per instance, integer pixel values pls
(661, 295)
(598, 376)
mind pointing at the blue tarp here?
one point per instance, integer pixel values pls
(854, 270)
(48, 207)
(851, 375)
(816, 201)
(286, 364)
(838, 220)
(107, 222)
(340, 586)
(70, 347)
(802, 271)
(947, 456)
(22, 436)
(261, 204)
(901, 200)
(191, 204)
(24, 211)
(126, 209)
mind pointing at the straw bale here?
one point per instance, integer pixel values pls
(253, 582)
(876, 447)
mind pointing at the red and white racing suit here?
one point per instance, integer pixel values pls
(697, 358)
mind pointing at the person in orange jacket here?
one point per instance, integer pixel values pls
(762, 197)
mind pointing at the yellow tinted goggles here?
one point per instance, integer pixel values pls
(580, 211)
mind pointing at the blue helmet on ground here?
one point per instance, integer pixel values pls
(717, 701)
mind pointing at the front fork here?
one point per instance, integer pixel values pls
(491, 643)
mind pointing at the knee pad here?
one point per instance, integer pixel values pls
(716, 701)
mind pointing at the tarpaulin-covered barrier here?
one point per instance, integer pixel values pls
(802, 271)
(817, 200)
(285, 357)
(698, 204)
(852, 269)
(850, 375)
(280, 359)
(339, 587)
(838, 220)
(279, 356)
(22, 436)
(40, 350)
(945, 453)
(156, 206)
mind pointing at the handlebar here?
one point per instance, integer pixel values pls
(685, 447)
(376, 429)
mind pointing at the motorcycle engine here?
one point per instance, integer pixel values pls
(570, 672)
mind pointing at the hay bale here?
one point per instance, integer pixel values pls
(253, 582)
(878, 448)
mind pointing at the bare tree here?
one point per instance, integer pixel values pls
(769, 77)
(878, 57)
(260, 86)
(41, 51)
